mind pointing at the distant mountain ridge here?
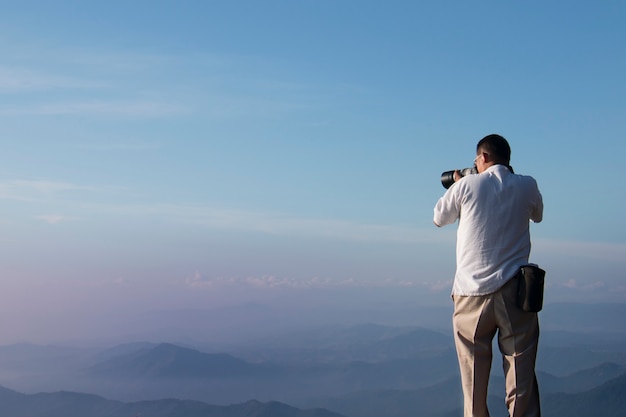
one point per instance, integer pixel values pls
(429, 401)
(445, 400)
(607, 400)
(582, 380)
(167, 360)
(71, 404)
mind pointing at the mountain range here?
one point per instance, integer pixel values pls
(440, 400)
(364, 370)
(71, 404)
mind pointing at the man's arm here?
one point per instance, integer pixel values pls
(536, 213)
(446, 210)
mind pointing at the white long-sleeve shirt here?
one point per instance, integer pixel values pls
(493, 237)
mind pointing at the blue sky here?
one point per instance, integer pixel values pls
(196, 154)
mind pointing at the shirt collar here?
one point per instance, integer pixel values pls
(497, 167)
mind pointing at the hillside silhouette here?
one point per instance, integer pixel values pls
(71, 404)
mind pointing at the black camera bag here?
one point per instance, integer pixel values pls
(530, 288)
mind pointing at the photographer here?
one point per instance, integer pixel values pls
(493, 207)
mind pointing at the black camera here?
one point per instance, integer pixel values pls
(447, 178)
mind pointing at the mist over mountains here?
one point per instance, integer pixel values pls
(170, 361)
(358, 370)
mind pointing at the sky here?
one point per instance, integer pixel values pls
(161, 155)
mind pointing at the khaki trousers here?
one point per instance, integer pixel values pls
(475, 322)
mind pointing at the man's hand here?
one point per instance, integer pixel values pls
(457, 175)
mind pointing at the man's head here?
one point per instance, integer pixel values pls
(492, 150)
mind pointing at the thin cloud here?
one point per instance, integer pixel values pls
(16, 80)
(31, 190)
(218, 95)
(227, 106)
(119, 62)
(285, 224)
(117, 108)
(114, 147)
(212, 217)
(53, 218)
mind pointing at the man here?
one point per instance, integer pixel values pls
(493, 240)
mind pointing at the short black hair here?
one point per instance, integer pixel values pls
(496, 146)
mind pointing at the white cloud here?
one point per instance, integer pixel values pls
(52, 218)
(587, 286)
(201, 280)
(442, 285)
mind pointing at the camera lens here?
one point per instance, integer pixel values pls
(447, 179)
